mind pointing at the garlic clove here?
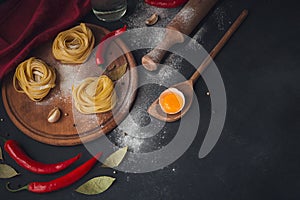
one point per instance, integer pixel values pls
(54, 115)
(152, 20)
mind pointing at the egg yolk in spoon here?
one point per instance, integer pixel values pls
(171, 101)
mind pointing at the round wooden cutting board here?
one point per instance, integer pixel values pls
(73, 127)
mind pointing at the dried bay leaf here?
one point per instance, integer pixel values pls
(116, 72)
(115, 158)
(7, 171)
(96, 185)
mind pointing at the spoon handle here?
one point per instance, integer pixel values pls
(219, 46)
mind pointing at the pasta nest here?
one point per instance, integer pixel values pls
(95, 95)
(34, 78)
(73, 46)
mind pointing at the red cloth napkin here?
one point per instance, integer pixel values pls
(27, 23)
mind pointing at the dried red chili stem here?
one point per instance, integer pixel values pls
(61, 182)
(166, 3)
(104, 43)
(22, 159)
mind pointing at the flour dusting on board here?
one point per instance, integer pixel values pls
(66, 75)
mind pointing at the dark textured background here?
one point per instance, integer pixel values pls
(257, 156)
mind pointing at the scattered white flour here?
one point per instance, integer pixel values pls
(122, 139)
(220, 16)
(144, 38)
(174, 61)
(66, 74)
(200, 34)
(143, 11)
(168, 73)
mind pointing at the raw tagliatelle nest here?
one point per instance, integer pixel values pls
(34, 78)
(73, 46)
(95, 95)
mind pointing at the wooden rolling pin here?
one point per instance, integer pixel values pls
(183, 23)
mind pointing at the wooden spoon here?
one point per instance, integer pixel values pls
(186, 87)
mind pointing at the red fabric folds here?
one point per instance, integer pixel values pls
(28, 23)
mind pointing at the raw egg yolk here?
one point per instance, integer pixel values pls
(171, 102)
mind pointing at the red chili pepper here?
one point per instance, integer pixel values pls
(166, 3)
(16, 153)
(102, 45)
(61, 182)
